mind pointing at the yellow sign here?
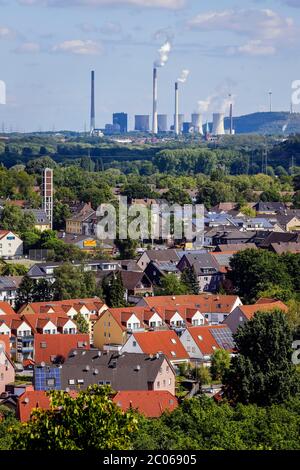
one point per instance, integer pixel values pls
(90, 243)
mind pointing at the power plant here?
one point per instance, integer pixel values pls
(162, 120)
(141, 122)
(218, 124)
(197, 123)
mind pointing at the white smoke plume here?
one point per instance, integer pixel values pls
(184, 75)
(217, 102)
(164, 52)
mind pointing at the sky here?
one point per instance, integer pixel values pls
(49, 47)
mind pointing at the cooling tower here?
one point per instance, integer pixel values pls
(154, 116)
(142, 122)
(197, 123)
(162, 123)
(218, 124)
(92, 125)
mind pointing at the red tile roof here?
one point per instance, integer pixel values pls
(57, 345)
(152, 342)
(203, 302)
(5, 344)
(202, 335)
(31, 400)
(6, 309)
(250, 310)
(151, 404)
(94, 303)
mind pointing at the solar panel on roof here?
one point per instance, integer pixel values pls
(223, 337)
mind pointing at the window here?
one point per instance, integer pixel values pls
(107, 382)
(158, 384)
(43, 345)
(173, 353)
(50, 382)
(188, 338)
(80, 381)
(167, 369)
(164, 383)
(129, 326)
(170, 381)
(241, 319)
(200, 337)
(47, 332)
(173, 341)
(71, 382)
(134, 344)
(195, 322)
(161, 370)
(193, 350)
(136, 326)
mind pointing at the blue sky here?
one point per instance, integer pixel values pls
(48, 47)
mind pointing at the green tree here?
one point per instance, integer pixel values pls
(253, 271)
(89, 422)
(82, 324)
(61, 212)
(127, 248)
(10, 269)
(72, 282)
(7, 422)
(220, 363)
(13, 218)
(113, 290)
(171, 285)
(262, 372)
(25, 292)
(189, 278)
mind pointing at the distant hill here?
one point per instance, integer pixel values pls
(276, 123)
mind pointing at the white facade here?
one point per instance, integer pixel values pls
(10, 245)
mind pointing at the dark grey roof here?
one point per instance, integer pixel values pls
(40, 215)
(163, 255)
(203, 261)
(10, 282)
(128, 371)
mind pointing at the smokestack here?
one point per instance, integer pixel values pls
(154, 117)
(176, 118)
(92, 128)
(231, 119)
(218, 124)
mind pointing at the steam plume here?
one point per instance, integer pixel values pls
(184, 75)
(163, 54)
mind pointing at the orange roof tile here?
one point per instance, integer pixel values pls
(204, 339)
(203, 302)
(250, 310)
(57, 345)
(167, 342)
(151, 404)
(6, 309)
(33, 399)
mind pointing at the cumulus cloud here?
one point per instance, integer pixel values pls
(169, 4)
(264, 23)
(255, 47)
(79, 47)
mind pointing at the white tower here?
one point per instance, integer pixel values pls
(218, 124)
(47, 194)
(197, 123)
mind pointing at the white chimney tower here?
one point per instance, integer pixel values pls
(154, 116)
(176, 118)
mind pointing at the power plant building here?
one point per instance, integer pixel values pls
(218, 124)
(142, 122)
(197, 123)
(162, 123)
(121, 119)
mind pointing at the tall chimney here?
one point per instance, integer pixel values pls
(176, 123)
(154, 117)
(231, 119)
(92, 127)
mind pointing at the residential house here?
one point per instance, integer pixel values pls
(150, 403)
(90, 309)
(7, 370)
(11, 246)
(288, 247)
(31, 400)
(269, 208)
(82, 221)
(155, 342)
(276, 237)
(215, 308)
(54, 349)
(156, 271)
(121, 372)
(8, 288)
(289, 222)
(202, 341)
(158, 256)
(243, 313)
(42, 222)
(235, 247)
(136, 284)
(6, 309)
(207, 269)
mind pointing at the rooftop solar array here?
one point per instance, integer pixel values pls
(223, 337)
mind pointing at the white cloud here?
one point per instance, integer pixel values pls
(169, 4)
(28, 48)
(78, 46)
(255, 47)
(264, 23)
